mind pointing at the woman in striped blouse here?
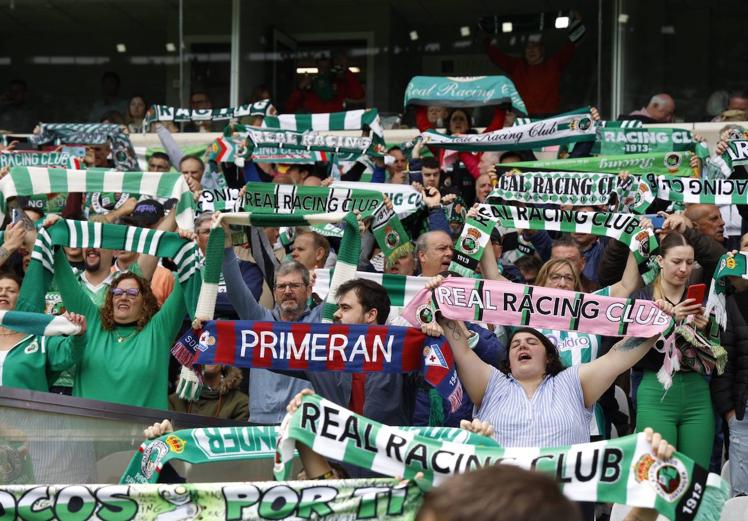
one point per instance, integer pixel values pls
(534, 401)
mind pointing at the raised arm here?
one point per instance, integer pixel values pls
(489, 265)
(73, 296)
(600, 374)
(148, 263)
(630, 280)
(473, 372)
(241, 298)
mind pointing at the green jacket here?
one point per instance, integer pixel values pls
(226, 401)
(34, 362)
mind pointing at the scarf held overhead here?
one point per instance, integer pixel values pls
(509, 304)
(456, 91)
(312, 141)
(623, 227)
(386, 225)
(574, 188)
(623, 470)
(180, 115)
(571, 128)
(662, 163)
(352, 348)
(36, 181)
(642, 140)
(123, 153)
(331, 121)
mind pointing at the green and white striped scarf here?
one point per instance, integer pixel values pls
(39, 324)
(611, 140)
(476, 233)
(574, 188)
(400, 289)
(312, 141)
(736, 155)
(702, 191)
(728, 266)
(662, 163)
(37, 181)
(571, 128)
(277, 198)
(179, 115)
(348, 120)
(208, 445)
(84, 234)
(623, 470)
(123, 153)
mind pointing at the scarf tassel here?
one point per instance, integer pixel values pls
(670, 364)
(190, 384)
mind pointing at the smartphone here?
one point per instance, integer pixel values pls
(657, 220)
(696, 292)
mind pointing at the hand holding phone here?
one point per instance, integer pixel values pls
(696, 292)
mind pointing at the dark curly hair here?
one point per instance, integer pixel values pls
(150, 304)
(553, 364)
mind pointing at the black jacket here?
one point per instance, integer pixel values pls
(730, 390)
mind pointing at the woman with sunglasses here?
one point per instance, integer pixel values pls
(129, 339)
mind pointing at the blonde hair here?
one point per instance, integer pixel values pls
(550, 267)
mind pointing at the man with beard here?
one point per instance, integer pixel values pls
(96, 276)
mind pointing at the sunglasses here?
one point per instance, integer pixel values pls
(130, 292)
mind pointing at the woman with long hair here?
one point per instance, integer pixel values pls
(683, 413)
(574, 348)
(129, 339)
(534, 401)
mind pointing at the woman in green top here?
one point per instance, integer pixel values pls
(129, 338)
(30, 361)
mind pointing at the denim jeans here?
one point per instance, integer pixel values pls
(739, 454)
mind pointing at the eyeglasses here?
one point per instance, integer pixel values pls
(292, 285)
(130, 292)
(555, 277)
(203, 232)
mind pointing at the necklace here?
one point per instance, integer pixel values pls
(121, 339)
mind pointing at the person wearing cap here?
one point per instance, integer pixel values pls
(148, 213)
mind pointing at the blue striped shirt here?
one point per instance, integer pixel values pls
(554, 416)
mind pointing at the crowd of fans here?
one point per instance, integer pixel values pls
(531, 388)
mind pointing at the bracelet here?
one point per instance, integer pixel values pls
(4, 253)
(327, 475)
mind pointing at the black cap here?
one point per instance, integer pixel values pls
(146, 213)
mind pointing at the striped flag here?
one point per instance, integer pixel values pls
(36, 181)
